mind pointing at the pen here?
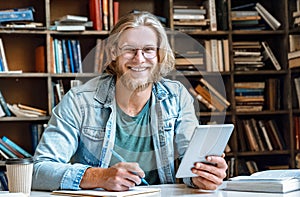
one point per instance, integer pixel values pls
(120, 158)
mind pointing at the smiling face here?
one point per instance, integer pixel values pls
(137, 58)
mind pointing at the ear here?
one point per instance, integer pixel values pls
(113, 54)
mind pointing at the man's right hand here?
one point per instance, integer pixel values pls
(119, 177)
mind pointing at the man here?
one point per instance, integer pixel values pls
(131, 110)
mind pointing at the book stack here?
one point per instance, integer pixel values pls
(189, 61)
(9, 149)
(244, 17)
(66, 56)
(294, 51)
(246, 20)
(249, 96)
(209, 96)
(189, 17)
(253, 16)
(247, 55)
(71, 23)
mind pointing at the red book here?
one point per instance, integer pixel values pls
(96, 14)
(116, 12)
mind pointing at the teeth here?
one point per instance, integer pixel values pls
(138, 69)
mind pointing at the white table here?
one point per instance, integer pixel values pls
(169, 190)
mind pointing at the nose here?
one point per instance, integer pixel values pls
(139, 55)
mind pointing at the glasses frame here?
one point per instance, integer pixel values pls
(131, 54)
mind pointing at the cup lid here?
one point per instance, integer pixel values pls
(28, 160)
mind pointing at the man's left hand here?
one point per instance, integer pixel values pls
(210, 176)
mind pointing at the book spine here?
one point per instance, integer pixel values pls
(16, 147)
(71, 56)
(212, 15)
(4, 105)
(7, 151)
(274, 24)
(271, 55)
(3, 56)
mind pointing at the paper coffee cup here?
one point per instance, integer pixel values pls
(19, 175)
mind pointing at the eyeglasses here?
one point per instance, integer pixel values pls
(130, 52)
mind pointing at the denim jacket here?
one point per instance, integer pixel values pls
(81, 131)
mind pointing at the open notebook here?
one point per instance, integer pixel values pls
(135, 191)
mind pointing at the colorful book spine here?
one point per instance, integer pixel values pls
(7, 151)
(16, 147)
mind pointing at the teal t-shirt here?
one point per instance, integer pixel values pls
(134, 142)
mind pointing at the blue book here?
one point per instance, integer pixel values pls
(8, 152)
(16, 147)
(23, 14)
(71, 56)
(3, 180)
(4, 105)
(65, 56)
(1, 65)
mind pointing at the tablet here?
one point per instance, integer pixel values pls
(206, 140)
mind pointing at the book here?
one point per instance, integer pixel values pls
(294, 40)
(73, 18)
(3, 57)
(3, 104)
(271, 55)
(135, 191)
(16, 14)
(293, 54)
(15, 146)
(201, 99)
(294, 63)
(34, 109)
(274, 24)
(7, 151)
(2, 113)
(95, 8)
(269, 181)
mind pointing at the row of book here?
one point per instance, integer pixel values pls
(260, 135)
(209, 96)
(60, 87)
(104, 14)
(253, 16)
(253, 55)
(66, 56)
(204, 15)
(19, 110)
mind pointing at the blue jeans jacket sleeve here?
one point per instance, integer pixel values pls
(56, 149)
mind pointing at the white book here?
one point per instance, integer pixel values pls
(212, 15)
(70, 28)
(3, 56)
(74, 18)
(274, 24)
(297, 87)
(271, 55)
(2, 113)
(270, 181)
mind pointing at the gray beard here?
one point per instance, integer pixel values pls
(139, 85)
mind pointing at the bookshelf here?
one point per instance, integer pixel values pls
(36, 88)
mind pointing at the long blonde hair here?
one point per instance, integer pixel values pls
(166, 58)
